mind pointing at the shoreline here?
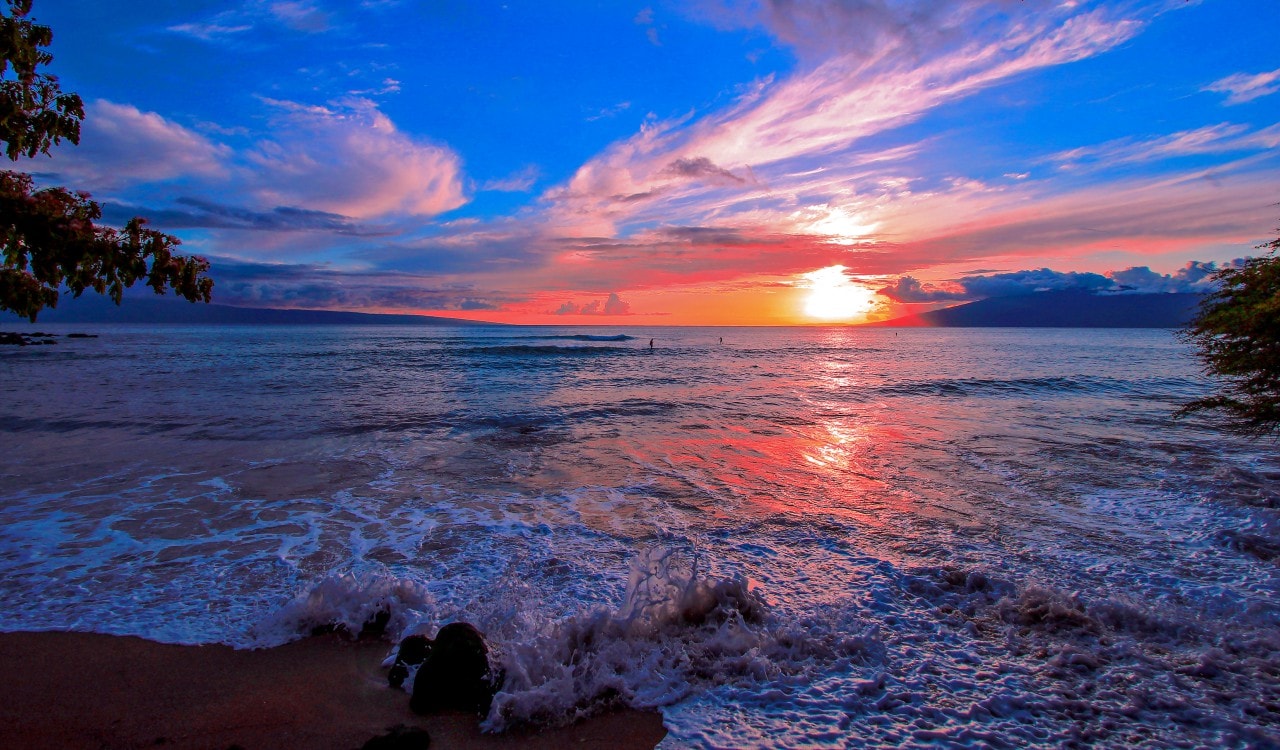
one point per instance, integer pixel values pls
(88, 690)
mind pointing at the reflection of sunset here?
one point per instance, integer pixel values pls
(833, 297)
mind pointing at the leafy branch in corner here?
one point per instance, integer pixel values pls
(1237, 336)
(48, 236)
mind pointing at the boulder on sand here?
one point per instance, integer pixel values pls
(455, 674)
(413, 651)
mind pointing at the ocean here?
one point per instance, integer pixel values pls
(779, 537)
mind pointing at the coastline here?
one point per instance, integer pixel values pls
(74, 690)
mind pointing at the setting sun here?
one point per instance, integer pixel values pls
(832, 296)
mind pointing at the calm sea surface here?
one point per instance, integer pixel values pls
(796, 537)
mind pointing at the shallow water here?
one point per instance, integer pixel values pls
(799, 537)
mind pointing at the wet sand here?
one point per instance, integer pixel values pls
(84, 690)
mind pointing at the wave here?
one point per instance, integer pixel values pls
(527, 350)
(349, 602)
(997, 387)
(676, 633)
(585, 337)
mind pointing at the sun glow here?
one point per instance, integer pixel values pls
(832, 296)
(841, 225)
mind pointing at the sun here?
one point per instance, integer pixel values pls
(832, 296)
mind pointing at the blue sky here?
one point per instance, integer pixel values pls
(697, 161)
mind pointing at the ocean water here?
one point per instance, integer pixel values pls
(797, 537)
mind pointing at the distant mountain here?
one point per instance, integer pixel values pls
(1071, 309)
(93, 308)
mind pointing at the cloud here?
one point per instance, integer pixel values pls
(1194, 277)
(907, 289)
(201, 213)
(699, 167)
(785, 135)
(299, 15)
(1019, 283)
(210, 30)
(607, 112)
(645, 18)
(349, 158)
(344, 160)
(1245, 87)
(614, 305)
(521, 181)
(121, 145)
(1210, 139)
(821, 28)
(316, 286)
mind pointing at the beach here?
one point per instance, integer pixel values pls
(85, 690)
(796, 538)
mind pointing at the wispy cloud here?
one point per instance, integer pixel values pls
(296, 15)
(300, 15)
(609, 112)
(197, 212)
(777, 130)
(1245, 87)
(520, 181)
(1211, 139)
(210, 30)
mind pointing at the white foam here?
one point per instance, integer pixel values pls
(348, 600)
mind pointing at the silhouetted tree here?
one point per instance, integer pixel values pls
(49, 236)
(1237, 336)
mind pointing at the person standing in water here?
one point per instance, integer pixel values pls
(650, 343)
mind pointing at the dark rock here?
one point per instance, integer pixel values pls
(82, 335)
(376, 626)
(456, 673)
(400, 737)
(26, 339)
(373, 628)
(414, 650)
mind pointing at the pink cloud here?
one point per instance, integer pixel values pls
(299, 15)
(1211, 139)
(613, 305)
(521, 181)
(779, 132)
(121, 145)
(350, 159)
(1245, 87)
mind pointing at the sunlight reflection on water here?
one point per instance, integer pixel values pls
(907, 504)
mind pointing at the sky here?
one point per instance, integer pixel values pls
(666, 163)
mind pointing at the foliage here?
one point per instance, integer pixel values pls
(34, 113)
(1237, 335)
(48, 236)
(50, 240)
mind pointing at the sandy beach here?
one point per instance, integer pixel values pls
(85, 690)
